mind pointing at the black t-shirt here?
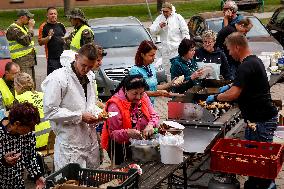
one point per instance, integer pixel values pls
(255, 100)
(55, 44)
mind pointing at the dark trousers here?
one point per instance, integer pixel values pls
(53, 64)
(264, 133)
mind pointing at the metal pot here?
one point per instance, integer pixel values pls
(145, 153)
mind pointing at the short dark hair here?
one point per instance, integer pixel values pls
(185, 45)
(9, 66)
(50, 8)
(237, 39)
(25, 113)
(144, 47)
(89, 50)
(132, 82)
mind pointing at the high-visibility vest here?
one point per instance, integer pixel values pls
(75, 43)
(7, 96)
(16, 49)
(41, 130)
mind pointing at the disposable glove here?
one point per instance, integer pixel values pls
(210, 99)
(224, 88)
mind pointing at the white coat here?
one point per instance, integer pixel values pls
(171, 35)
(64, 102)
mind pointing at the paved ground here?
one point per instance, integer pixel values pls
(161, 107)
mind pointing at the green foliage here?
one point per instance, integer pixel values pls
(186, 9)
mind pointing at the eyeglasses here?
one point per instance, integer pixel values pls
(208, 42)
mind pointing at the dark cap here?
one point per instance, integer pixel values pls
(25, 12)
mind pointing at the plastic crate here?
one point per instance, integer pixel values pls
(243, 157)
(92, 178)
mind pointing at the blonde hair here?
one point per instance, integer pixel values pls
(209, 34)
(167, 5)
(25, 82)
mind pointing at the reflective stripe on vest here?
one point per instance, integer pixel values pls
(42, 129)
(75, 43)
(16, 49)
(7, 96)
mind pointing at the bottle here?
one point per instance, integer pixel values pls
(2, 108)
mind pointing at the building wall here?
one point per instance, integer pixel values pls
(21, 4)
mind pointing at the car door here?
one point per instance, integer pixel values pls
(276, 25)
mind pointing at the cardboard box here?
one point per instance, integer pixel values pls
(71, 186)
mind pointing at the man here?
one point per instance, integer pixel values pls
(252, 92)
(50, 34)
(7, 84)
(69, 103)
(230, 10)
(172, 28)
(82, 33)
(21, 44)
(243, 26)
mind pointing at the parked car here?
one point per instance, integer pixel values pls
(276, 25)
(120, 37)
(247, 4)
(4, 52)
(260, 40)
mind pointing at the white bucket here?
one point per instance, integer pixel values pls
(171, 154)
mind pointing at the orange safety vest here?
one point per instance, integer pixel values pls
(124, 108)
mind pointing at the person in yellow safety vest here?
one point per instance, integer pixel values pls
(82, 33)
(24, 87)
(21, 45)
(7, 84)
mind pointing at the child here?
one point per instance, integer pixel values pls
(17, 147)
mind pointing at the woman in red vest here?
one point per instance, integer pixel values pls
(136, 117)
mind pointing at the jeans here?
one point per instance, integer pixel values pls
(264, 133)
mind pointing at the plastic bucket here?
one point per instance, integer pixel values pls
(171, 154)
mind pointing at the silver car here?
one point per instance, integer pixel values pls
(120, 38)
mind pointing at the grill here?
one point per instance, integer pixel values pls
(117, 74)
(202, 126)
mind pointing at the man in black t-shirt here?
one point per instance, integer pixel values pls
(252, 92)
(51, 33)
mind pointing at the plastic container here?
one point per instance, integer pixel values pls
(243, 157)
(171, 154)
(94, 178)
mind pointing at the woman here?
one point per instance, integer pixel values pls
(184, 64)
(17, 147)
(144, 58)
(24, 86)
(136, 117)
(209, 54)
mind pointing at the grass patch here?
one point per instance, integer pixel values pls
(186, 9)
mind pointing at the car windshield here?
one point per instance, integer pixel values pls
(4, 50)
(258, 30)
(120, 36)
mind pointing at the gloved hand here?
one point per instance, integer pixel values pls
(224, 88)
(210, 99)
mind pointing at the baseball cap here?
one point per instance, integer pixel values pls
(25, 12)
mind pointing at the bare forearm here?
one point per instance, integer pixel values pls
(164, 86)
(44, 40)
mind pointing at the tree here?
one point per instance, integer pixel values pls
(159, 5)
(67, 7)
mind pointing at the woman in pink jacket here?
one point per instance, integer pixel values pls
(136, 117)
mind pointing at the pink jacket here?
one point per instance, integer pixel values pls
(116, 130)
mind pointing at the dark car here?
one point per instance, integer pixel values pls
(247, 4)
(260, 40)
(120, 37)
(4, 52)
(276, 25)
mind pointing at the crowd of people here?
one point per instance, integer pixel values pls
(69, 104)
